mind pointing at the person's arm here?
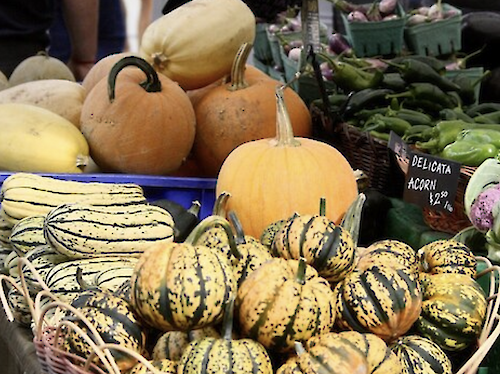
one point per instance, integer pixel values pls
(145, 16)
(82, 19)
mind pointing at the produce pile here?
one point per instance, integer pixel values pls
(224, 301)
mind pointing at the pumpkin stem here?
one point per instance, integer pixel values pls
(300, 277)
(299, 348)
(81, 282)
(208, 222)
(240, 235)
(220, 204)
(284, 129)
(238, 81)
(227, 322)
(352, 218)
(151, 84)
(322, 207)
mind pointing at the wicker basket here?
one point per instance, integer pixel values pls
(363, 151)
(49, 334)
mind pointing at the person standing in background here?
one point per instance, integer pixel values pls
(24, 32)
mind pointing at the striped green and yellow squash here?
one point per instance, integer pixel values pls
(5, 231)
(383, 300)
(327, 247)
(420, 355)
(379, 357)
(113, 279)
(225, 354)
(163, 366)
(19, 306)
(453, 310)
(183, 286)
(43, 258)
(171, 344)
(10, 264)
(4, 254)
(62, 279)
(283, 301)
(447, 256)
(342, 357)
(86, 231)
(26, 194)
(115, 322)
(27, 234)
(388, 252)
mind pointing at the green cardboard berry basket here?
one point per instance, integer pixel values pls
(436, 38)
(376, 38)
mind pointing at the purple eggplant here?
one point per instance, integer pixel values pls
(338, 44)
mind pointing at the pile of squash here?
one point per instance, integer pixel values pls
(301, 297)
(178, 106)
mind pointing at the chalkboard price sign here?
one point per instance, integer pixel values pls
(431, 181)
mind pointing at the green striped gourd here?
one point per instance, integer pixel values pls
(327, 247)
(27, 234)
(86, 231)
(26, 194)
(10, 264)
(19, 305)
(163, 366)
(225, 354)
(5, 231)
(283, 301)
(389, 252)
(4, 253)
(379, 357)
(115, 321)
(340, 358)
(62, 279)
(419, 355)
(383, 300)
(183, 286)
(453, 310)
(113, 279)
(447, 256)
(171, 344)
(43, 258)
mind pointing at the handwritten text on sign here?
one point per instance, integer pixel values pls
(432, 181)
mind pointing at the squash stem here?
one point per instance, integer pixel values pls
(151, 84)
(208, 222)
(240, 235)
(284, 129)
(219, 208)
(227, 322)
(322, 206)
(238, 81)
(300, 277)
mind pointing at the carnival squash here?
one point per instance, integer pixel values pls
(383, 300)
(239, 111)
(388, 252)
(38, 67)
(195, 44)
(183, 286)
(138, 127)
(270, 179)
(283, 301)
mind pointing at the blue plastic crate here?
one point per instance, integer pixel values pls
(178, 189)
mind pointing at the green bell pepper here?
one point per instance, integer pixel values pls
(469, 153)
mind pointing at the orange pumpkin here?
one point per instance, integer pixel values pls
(270, 179)
(239, 111)
(101, 69)
(140, 126)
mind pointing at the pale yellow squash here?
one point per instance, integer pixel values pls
(34, 139)
(60, 96)
(196, 43)
(4, 81)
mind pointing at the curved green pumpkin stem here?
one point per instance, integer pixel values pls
(238, 228)
(81, 282)
(151, 84)
(284, 129)
(322, 207)
(206, 224)
(238, 81)
(352, 218)
(227, 322)
(219, 208)
(300, 277)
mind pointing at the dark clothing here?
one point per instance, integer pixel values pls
(112, 32)
(23, 30)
